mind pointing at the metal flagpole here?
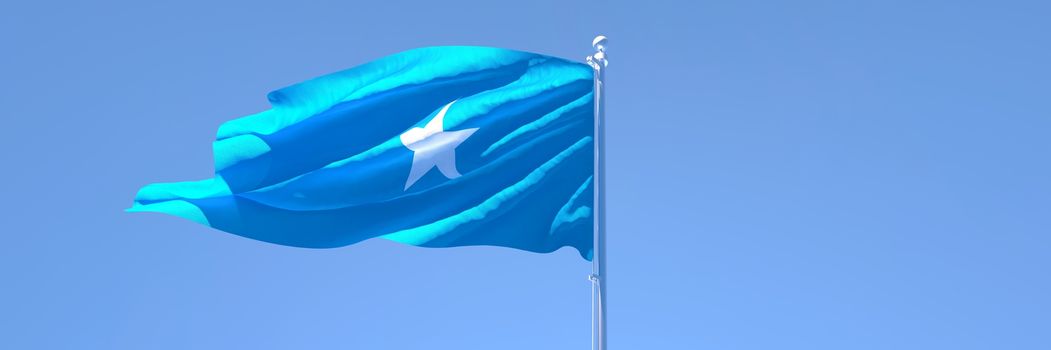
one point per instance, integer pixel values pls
(598, 62)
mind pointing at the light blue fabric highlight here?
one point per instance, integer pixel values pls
(543, 75)
(179, 208)
(576, 210)
(238, 148)
(539, 124)
(208, 188)
(298, 102)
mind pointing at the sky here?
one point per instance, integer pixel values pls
(796, 175)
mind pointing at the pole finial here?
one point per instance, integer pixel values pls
(598, 60)
(599, 43)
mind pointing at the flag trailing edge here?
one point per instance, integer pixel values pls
(499, 142)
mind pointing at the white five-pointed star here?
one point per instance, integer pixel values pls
(432, 146)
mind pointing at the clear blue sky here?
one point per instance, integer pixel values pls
(813, 175)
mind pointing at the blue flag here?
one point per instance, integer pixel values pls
(434, 147)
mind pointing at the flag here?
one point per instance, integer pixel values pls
(433, 147)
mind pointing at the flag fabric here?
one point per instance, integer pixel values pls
(434, 147)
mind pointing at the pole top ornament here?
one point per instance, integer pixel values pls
(598, 59)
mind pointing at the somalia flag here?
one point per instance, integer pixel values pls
(434, 147)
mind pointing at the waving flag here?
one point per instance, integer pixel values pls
(434, 147)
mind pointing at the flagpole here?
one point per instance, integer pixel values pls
(598, 62)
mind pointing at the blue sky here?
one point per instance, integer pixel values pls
(804, 175)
